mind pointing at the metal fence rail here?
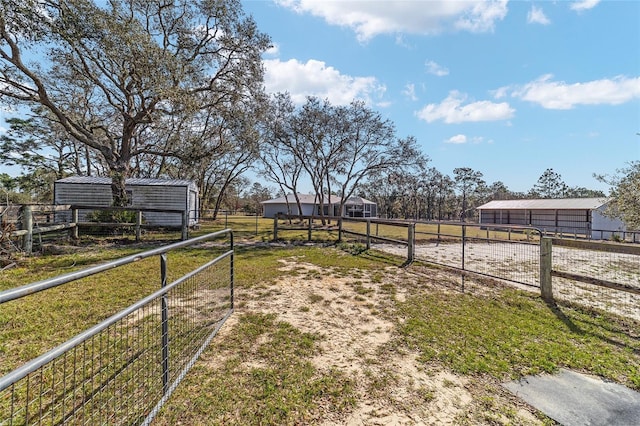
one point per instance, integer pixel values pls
(504, 252)
(122, 370)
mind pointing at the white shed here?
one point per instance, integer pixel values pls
(583, 216)
(169, 194)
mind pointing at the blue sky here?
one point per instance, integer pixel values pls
(506, 88)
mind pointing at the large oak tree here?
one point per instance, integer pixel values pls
(109, 73)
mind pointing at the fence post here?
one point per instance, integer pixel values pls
(165, 325)
(275, 227)
(309, 228)
(411, 238)
(546, 288)
(368, 234)
(138, 224)
(185, 225)
(74, 218)
(27, 224)
(340, 230)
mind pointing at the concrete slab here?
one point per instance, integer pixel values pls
(575, 399)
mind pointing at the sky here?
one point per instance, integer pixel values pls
(509, 89)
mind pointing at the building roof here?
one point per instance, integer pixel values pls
(546, 204)
(313, 199)
(98, 180)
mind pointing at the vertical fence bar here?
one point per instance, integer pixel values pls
(340, 230)
(546, 288)
(309, 228)
(165, 325)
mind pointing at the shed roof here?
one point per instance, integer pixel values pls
(546, 204)
(98, 180)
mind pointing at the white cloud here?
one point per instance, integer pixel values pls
(451, 110)
(457, 139)
(581, 5)
(274, 50)
(315, 78)
(560, 95)
(537, 16)
(371, 18)
(483, 16)
(410, 91)
(436, 69)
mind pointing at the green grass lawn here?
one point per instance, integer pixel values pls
(264, 369)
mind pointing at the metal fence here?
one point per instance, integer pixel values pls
(122, 370)
(601, 275)
(510, 253)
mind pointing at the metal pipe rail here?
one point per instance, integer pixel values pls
(179, 347)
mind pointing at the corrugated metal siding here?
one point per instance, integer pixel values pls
(147, 193)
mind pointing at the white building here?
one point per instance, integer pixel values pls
(582, 216)
(169, 194)
(310, 206)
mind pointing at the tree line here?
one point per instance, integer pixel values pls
(175, 90)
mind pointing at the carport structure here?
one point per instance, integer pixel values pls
(582, 216)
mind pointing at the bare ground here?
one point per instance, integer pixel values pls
(354, 314)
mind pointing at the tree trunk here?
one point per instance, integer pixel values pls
(118, 188)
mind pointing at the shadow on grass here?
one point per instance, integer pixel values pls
(571, 325)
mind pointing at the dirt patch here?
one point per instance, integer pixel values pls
(354, 314)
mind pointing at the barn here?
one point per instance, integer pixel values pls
(310, 205)
(581, 216)
(166, 194)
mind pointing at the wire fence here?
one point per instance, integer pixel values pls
(602, 275)
(597, 274)
(122, 370)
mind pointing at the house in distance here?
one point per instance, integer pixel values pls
(577, 216)
(159, 194)
(310, 206)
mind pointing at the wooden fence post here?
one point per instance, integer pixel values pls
(139, 225)
(275, 227)
(340, 230)
(185, 225)
(411, 239)
(309, 228)
(27, 224)
(546, 288)
(368, 234)
(74, 219)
